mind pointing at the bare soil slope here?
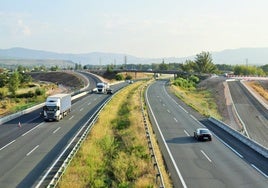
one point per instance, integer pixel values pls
(65, 79)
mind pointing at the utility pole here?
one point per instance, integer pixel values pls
(125, 60)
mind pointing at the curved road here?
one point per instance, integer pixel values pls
(197, 164)
(252, 113)
(27, 152)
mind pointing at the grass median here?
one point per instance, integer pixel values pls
(115, 154)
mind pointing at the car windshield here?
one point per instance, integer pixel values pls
(203, 131)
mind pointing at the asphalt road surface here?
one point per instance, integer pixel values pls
(252, 113)
(197, 164)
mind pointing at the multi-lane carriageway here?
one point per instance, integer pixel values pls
(26, 152)
(200, 164)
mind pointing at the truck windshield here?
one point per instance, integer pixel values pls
(50, 108)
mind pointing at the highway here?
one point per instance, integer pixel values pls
(27, 152)
(192, 163)
(252, 113)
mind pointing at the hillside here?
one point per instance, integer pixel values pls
(251, 56)
(73, 83)
(10, 63)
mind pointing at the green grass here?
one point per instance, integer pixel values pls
(115, 154)
(200, 100)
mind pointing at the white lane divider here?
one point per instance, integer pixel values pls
(186, 133)
(71, 117)
(56, 130)
(32, 129)
(168, 111)
(89, 103)
(175, 119)
(7, 145)
(205, 155)
(32, 150)
(81, 109)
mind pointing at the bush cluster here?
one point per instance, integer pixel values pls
(186, 83)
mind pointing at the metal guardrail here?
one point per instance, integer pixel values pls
(159, 177)
(89, 124)
(31, 109)
(252, 144)
(57, 177)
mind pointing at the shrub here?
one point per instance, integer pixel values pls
(39, 91)
(119, 77)
(128, 77)
(3, 93)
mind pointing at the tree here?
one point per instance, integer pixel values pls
(3, 79)
(14, 83)
(188, 66)
(204, 64)
(163, 66)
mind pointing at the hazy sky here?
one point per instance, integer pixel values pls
(143, 28)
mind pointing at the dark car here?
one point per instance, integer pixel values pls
(109, 91)
(203, 134)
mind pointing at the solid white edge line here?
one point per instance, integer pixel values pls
(32, 129)
(236, 152)
(241, 156)
(168, 150)
(181, 107)
(259, 170)
(32, 150)
(206, 156)
(7, 145)
(51, 167)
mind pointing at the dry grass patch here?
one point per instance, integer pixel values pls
(259, 89)
(115, 154)
(199, 99)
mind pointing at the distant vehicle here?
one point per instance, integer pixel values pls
(102, 87)
(202, 134)
(109, 91)
(129, 81)
(56, 107)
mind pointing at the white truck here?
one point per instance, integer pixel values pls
(57, 106)
(102, 87)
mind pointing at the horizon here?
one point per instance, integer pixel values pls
(148, 29)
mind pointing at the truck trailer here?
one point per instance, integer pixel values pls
(57, 106)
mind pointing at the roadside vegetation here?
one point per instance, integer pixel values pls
(185, 86)
(199, 99)
(116, 153)
(259, 89)
(19, 90)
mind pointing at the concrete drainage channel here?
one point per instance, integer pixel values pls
(158, 176)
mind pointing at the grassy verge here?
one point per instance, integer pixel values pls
(115, 154)
(200, 100)
(259, 89)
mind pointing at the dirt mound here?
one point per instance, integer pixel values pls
(65, 79)
(216, 86)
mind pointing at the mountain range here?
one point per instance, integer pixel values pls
(247, 56)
